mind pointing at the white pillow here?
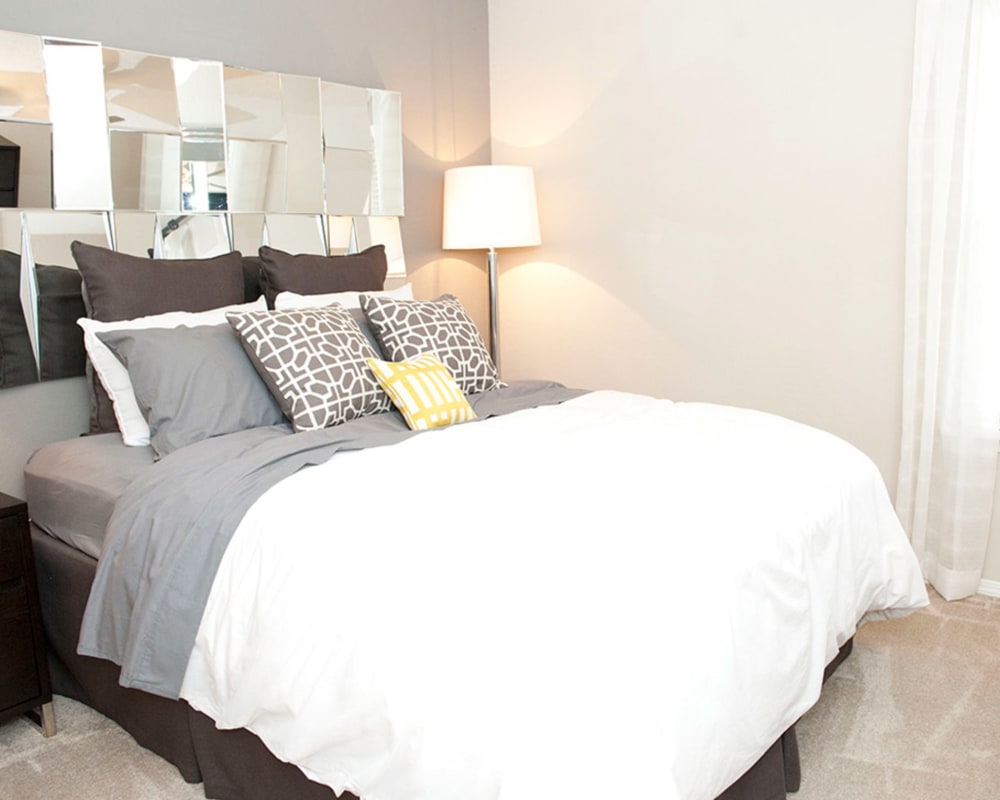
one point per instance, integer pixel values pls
(285, 301)
(114, 376)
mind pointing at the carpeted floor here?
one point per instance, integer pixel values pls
(89, 758)
(913, 714)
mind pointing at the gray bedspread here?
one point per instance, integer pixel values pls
(170, 528)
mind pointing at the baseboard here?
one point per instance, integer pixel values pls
(989, 588)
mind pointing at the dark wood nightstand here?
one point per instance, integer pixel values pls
(24, 670)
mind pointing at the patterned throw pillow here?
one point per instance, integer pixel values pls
(314, 361)
(424, 392)
(409, 328)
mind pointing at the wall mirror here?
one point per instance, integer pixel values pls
(40, 298)
(296, 233)
(25, 125)
(133, 231)
(26, 180)
(81, 161)
(22, 78)
(144, 131)
(179, 158)
(191, 236)
(248, 232)
(303, 120)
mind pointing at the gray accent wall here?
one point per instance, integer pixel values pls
(434, 53)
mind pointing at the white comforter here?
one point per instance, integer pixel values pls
(615, 595)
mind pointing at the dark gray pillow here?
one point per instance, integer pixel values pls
(192, 383)
(251, 278)
(311, 274)
(119, 286)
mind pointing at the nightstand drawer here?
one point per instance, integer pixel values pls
(18, 668)
(10, 548)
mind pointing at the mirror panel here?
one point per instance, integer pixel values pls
(19, 360)
(295, 233)
(29, 183)
(28, 295)
(387, 130)
(183, 158)
(22, 78)
(253, 105)
(257, 140)
(146, 170)
(203, 148)
(346, 119)
(191, 236)
(144, 124)
(45, 239)
(81, 161)
(346, 149)
(382, 230)
(303, 120)
(341, 236)
(48, 234)
(256, 177)
(134, 232)
(199, 96)
(10, 231)
(141, 92)
(348, 181)
(248, 232)
(203, 173)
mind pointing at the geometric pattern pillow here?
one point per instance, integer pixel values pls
(409, 328)
(314, 361)
(424, 392)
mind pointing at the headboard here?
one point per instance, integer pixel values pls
(173, 158)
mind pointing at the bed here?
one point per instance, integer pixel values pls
(547, 592)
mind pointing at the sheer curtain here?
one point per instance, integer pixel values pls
(951, 368)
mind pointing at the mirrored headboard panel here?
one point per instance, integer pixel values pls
(176, 158)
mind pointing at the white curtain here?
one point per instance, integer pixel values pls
(951, 372)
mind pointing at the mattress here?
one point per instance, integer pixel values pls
(72, 486)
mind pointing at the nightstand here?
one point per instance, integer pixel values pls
(24, 670)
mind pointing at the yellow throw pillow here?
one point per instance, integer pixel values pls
(424, 391)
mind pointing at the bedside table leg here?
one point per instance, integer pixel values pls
(48, 720)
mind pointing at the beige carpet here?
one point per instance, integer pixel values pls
(913, 714)
(89, 758)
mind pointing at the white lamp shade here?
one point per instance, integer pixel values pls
(489, 207)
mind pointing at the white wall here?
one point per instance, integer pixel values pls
(722, 190)
(722, 198)
(433, 52)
